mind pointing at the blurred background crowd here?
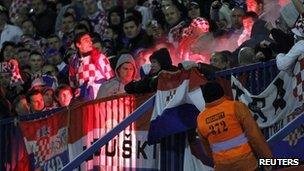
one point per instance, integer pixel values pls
(43, 44)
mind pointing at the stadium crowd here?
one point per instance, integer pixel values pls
(54, 52)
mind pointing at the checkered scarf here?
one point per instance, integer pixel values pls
(197, 26)
(85, 70)
(13, 68)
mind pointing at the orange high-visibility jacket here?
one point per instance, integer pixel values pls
(229, 131)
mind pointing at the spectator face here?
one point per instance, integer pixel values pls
(129, 4)
(53, 42)
(165, 4)
(248, 23)
(172, 15)
(28, 28)
(37, 103)
(131, 30)
(49, 70)
(216, 60)
(68, 24)
(126, 72)
(71, 11)
(85, 44)
(236, 18)
(22, 107)
(65, 97)
(38, 6)
(108, 33)
(54, 59)
(36, 63)
(90, 6)
(252, 5)
(5, 79)
(23, 58)
(9, 52)
(157, 32)
(115, 18)
(107, 4)
(155, 66)
(194, 11)
(48, 98)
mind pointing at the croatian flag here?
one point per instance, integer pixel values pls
(178, 102)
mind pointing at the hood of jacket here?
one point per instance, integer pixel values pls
(125, 58)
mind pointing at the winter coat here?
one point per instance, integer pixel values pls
(286, 62)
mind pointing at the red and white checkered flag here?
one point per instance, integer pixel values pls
(298, 84)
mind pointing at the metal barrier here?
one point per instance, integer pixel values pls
(110, 135)
(255, 77)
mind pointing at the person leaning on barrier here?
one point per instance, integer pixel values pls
(160, 61)
(229, 133)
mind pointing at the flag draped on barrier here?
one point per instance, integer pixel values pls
(128, 150)
(276, 106)
(46, 141)
(178, 101)
(273, 104)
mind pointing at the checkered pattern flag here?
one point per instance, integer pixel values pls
(199, 24)
(16, 77)
(88, 72)
(298, 83)
(293, 137)
(44, 150)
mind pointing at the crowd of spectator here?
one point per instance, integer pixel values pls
(54, 52)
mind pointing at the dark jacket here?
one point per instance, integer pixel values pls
(141, 41)
(45, 23)
(283, 42)
(149, 83)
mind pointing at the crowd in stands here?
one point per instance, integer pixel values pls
(55, 52)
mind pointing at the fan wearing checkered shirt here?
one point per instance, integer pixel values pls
(89, 68)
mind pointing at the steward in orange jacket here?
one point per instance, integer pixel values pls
(229, 133)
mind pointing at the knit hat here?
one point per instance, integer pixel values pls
(163, 57)
(299, 27)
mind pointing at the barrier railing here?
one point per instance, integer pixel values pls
(255, 77)
(291, 126)
(260, 73)
(110, 135)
